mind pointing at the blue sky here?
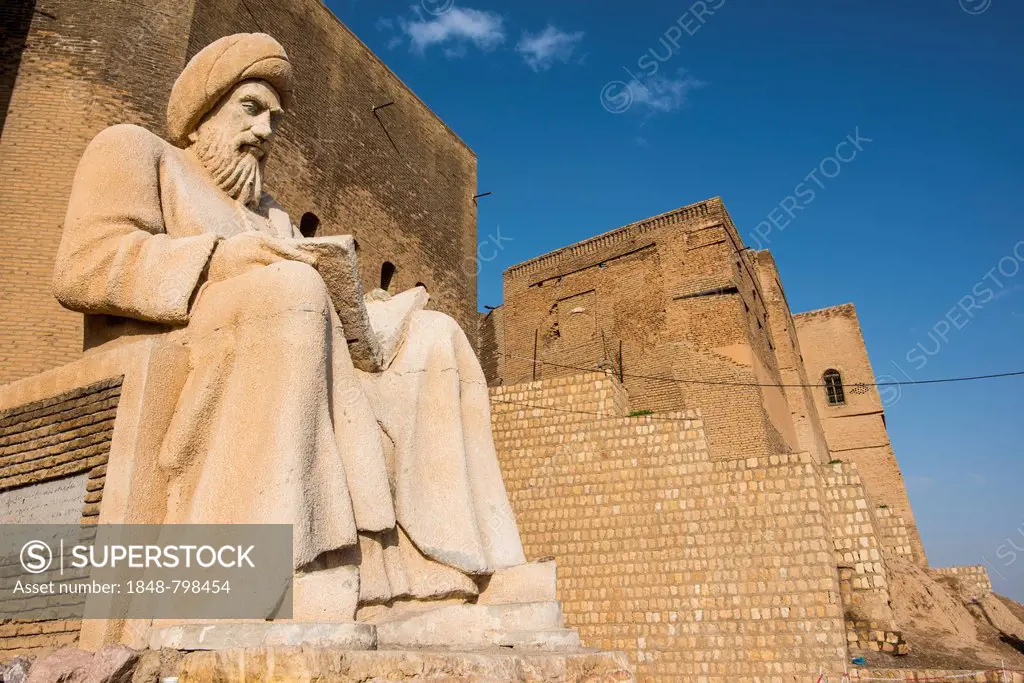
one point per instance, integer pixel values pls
(587, 115)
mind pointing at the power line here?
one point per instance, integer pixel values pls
(587, 412)
(945, 380)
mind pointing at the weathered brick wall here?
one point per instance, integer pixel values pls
(831, 339)
(491, 344)
(700, 569)
(676, 299)
(87, 64)
(66, 435)
(15, 19)
(806, 421)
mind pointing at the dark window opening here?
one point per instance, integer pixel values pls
(308, 224)
(387, 272)
(834, 388)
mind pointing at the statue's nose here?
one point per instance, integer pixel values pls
(263, 128)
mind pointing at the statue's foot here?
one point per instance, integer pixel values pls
(529, 582)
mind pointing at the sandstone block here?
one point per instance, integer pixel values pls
(227, 635)
(460, 626)
(552, 640)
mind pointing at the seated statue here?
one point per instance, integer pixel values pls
(383, 466)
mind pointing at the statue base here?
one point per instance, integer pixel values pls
(224, 635)
(523, 626)
(328, 664)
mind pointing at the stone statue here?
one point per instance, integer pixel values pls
(382, 460)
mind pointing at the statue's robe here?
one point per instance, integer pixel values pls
(274, 424)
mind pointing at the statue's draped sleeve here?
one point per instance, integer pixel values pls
(115, 257)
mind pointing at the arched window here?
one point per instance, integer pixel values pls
(834, 388)
(309, 223)
(387, 271)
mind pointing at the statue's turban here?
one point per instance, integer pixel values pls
(216, 69)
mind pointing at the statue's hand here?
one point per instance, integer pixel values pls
(235, 255)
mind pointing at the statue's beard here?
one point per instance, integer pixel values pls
(234, 165)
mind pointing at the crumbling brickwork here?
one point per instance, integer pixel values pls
(973, 577)
(396, 178)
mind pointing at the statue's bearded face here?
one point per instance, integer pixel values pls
(233, 139)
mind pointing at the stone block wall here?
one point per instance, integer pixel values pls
(974, 578)
(702, 569)
(893, 533)
(860, 556)
(66, 435)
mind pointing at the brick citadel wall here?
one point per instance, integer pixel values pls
(698, 568)
(690, 320)
(772, 568)
(398, 179)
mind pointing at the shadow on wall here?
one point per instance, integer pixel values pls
(15, 20)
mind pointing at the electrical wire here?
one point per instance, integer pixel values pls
(647, 415)
(945, 380)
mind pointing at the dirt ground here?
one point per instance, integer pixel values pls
(946, 631)
(1015, 607)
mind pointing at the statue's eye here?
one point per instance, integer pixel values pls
(250, 107)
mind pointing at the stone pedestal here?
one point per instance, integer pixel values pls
(536, 626)
(339, 666)
(226, 635)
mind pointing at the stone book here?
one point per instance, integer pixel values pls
(373, 330)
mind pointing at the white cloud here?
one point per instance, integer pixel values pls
(661, 94)
(1007, 292)
(454, 29)
(551, 45)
